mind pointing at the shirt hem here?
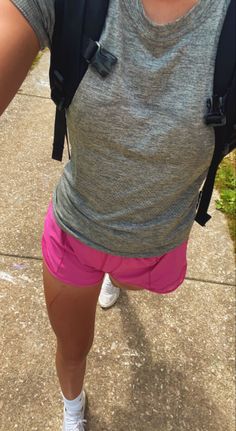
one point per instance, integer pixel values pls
(157, 252)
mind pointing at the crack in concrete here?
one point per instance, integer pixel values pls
(19, 256)
(202, 280)
(19, 93)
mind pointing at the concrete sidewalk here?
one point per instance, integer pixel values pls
(159, 363)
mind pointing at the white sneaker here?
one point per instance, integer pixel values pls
(75, 423)
(109, 293)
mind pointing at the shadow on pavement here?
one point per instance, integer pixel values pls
(162, 398)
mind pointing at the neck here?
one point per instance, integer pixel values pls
(167, 11)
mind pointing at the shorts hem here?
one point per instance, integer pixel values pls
(176, 285)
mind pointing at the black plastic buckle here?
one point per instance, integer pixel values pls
(102, 61)
(57, 93)
(215, 112)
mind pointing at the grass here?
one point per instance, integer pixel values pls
(226, 184)
(36, 60)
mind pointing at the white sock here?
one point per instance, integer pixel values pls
(73, 407)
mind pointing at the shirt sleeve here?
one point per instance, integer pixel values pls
(41, 16)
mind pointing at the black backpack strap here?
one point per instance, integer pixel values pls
(221, 108)
(75, 21)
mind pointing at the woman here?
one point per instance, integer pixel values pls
(126, 201)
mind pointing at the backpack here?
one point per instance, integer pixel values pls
(83, 21)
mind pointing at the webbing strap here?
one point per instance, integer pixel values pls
(202, 216)
(59, 135)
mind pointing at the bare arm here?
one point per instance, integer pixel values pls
(18, 48)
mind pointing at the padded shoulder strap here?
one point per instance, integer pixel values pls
(225, 68)
(66, 48)
(225, 88)
(73, 20)
(226, 54)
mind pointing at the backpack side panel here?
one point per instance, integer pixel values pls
(225, 87)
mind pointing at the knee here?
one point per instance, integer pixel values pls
(73, 354)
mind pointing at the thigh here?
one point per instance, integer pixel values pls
(71, 311)
(126, 286)
(67, 258)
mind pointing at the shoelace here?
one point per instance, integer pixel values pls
(71, 426)
(109, 289)
(80, 426)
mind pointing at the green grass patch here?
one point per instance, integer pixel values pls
(226, 184)
(36, 60)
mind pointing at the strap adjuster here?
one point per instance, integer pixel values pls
(215, 111)
(99, 58)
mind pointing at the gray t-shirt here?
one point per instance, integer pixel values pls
(140, 148)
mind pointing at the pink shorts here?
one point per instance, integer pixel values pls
(80, 265)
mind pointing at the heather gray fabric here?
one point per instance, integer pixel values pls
(140, 148)
(40, 15)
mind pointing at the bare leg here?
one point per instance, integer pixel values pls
(124, 286)
(71, 312)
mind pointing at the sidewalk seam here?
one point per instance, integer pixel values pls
(200, 280)
(33, 95)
